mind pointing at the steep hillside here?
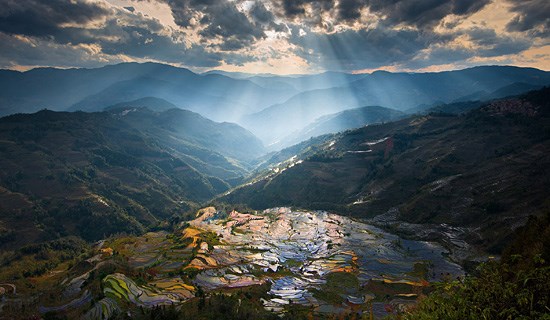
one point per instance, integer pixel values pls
(348, 119)
(118, 172)
(177, 127)
(481, 173)
(152, 103)
(453, 108)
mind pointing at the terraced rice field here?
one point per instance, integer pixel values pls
(299, 253)
(120, 287)
(318, 259)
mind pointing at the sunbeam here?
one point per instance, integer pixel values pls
(274, 159)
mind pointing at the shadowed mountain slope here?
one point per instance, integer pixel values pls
(483, 172)
(345, 120)
(118, 171)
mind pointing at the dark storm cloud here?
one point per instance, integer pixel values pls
(293, 8)
(487, 43)
(420, 13)
(360, 49)
(239, 59)
(121, 33)
(224, 21)
(226, 28)
(296, 7)
(423, 13)
(42, 52)
(260, 14)
(265, 18)
(141, 42)
(295, 11)
(382, 46)
(46, 17)
(181, 11)
(532, 16)
(220, 19)
(490, 44)
(324, 33)
(119, 27)
(350, 9)
(144, 38)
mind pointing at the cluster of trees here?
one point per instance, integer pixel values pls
(36, 259)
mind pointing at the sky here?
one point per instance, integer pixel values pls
(276, 36)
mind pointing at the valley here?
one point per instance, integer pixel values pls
(142, 208)
(317, 260)
(274, 160)
(481, 173)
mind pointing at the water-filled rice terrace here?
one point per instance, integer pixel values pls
(325, 261)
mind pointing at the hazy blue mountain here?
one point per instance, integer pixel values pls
(58, 89)
(215, 96)
(95, 89)
(146, 86)
(513, 89)
(270, 106)
(152, 103)
(405, 90)
(239, 75)
(276, 122)
(474, 100)
(298, 82)
(400, 91)
(177, 125)
(323, 80)
(348, 119)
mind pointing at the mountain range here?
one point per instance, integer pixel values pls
(400, 91)
(138, 135)
(374, 185)
(272, 107)
(215, 96)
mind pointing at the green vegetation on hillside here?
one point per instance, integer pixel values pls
(24, 265)
(514, 288)
(97, 174)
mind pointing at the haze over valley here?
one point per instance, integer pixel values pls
(274, 159)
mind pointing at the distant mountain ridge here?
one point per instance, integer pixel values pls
(151, 103)
(226, 138)
(400, 91)
(344, 120)
(270, 106)
(95, 89)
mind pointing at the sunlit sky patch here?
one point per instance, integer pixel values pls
(276, 36)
